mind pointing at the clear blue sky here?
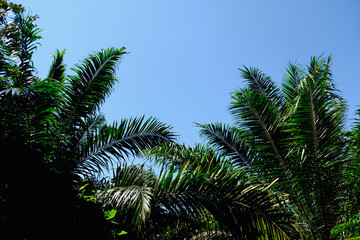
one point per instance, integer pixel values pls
(184, 55)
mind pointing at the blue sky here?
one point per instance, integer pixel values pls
(184, 55)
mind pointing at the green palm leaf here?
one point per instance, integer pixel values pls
(130, 193)
(90, 86)
(120, 140)
(290, 86)
(317, 125)
(258, 81)
(57, 69)
(235, 199)
(176, 155)
(296, 138)
(231, 141)
(262, 118)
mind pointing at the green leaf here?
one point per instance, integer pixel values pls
(121, 233)
(110, 214)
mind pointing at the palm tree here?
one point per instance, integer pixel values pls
(54, 133)
(350, 218)
(295, 135)
(198, 194)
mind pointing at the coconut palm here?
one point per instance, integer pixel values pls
(293, 134)
(54, 132)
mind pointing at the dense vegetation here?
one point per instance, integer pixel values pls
(286, 169)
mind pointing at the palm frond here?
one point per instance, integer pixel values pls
(227, 193)
(290, 86)
(256, 80)
(216, 235)
(232, 142)
(128, 137)
(130, 193)
(176, 155)
(262, 119)
(317, 125)
(57, 68)
(92, 83)
(21, 36)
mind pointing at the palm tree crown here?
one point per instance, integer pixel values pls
(53, 130)
(294, 135)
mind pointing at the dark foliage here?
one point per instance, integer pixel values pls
(52, 135)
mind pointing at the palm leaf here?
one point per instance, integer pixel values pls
(176, 155)
(262, 119)
(290, 86)
(258, 81)
(130, 193)
(21, 36)
(57, 69)
(90, 86)
(228, 194)
(212, 235)
(231, 141)
(128, 137)
(317, 125)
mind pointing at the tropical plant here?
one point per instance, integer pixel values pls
(296, 135)
(350, 219)
(53, 134)
(198, 194)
